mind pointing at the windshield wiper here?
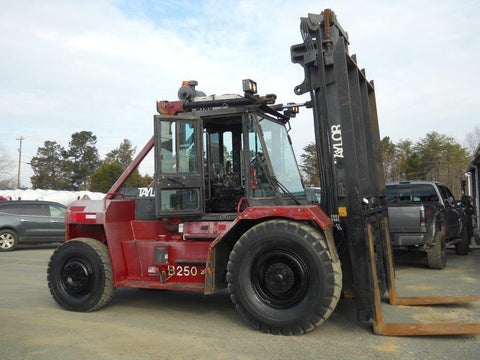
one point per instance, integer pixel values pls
(274, 180)
(284, 190)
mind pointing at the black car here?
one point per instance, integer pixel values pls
(30, 222)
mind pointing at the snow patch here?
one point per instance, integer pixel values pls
(60, 196)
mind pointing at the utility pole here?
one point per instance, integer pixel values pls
(21, 138)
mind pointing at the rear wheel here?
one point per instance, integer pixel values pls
(462, 247)
(8, 240)
(282, 279)
(437, 253)
(80, 275)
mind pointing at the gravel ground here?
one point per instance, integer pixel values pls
(141, 324)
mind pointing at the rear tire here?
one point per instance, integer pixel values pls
(437, 253)
(80, 275)
(282, 279)
(8, 240)
(463, 246)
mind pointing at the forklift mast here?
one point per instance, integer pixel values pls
(351, 176)
(347, 145)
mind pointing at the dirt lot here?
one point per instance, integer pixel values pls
(167, 325)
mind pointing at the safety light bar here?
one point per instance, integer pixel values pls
(249, 86)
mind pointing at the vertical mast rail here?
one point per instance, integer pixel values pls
(351, 173)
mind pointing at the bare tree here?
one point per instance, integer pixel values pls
(472, 139)
(7, 181)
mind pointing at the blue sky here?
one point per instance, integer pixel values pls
(100, 65)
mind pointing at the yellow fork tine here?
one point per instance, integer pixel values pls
(412, 329)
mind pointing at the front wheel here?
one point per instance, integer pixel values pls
(80, 275)
(282, 279)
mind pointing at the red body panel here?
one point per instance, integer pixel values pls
(166, 254)
(301, 213)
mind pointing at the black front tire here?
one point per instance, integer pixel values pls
(282, 279)
(80, 275)
(8, 240)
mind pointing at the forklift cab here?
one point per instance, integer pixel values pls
(206, 161)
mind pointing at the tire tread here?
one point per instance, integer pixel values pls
(316, 240)
(102, 253)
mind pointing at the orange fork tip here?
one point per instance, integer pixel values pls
(445, 329)
(434, 300)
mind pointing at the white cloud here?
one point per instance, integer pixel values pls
(100, 65)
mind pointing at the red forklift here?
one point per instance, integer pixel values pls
(227, 208)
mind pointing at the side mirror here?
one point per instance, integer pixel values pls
(451, 201)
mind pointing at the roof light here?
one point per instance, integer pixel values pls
(249, 86)
(291, 110)
(293, 107)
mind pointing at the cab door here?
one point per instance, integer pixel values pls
(179, 186)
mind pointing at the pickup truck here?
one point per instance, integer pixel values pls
(424, 216)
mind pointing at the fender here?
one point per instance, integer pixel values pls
(436, 224)
(219, 250)
(107, 221)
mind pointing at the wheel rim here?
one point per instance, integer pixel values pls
(280, 278)
(77, 277)
(6, 241)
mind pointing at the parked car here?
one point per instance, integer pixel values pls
(30, 222)
(424, 216)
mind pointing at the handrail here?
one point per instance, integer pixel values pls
(110, 196)
(239, 206)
